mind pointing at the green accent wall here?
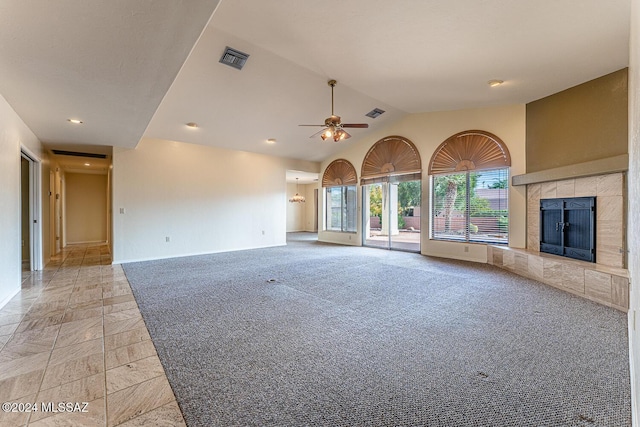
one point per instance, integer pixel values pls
(583, 123)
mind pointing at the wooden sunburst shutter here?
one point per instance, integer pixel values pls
(339, 172)
(469, 150)
(391, 159)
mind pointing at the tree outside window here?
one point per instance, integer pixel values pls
(471, 206)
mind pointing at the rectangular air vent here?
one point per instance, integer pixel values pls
(78, 154)
(234, 58)
(374, 113)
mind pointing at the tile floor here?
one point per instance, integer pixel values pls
(75, 334)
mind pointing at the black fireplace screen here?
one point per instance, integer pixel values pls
(568, 227)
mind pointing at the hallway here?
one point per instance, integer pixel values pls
(75, 334)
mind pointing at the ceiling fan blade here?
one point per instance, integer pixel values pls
(311, 125)
(355, 125)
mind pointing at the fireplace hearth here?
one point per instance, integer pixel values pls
(568, 227)
(606, 280)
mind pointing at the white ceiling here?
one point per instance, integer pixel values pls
(107, 63)
(111, 63)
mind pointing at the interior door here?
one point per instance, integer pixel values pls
(25, 218)
(52, 213)
(58, 214)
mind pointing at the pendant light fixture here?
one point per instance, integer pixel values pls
(297, 198)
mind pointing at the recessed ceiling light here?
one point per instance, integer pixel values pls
(271, 141)
(87, 164)
(494, 83)
(192, 125)
(75, 121)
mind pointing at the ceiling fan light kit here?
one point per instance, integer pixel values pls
(333, 126)
(337, 135)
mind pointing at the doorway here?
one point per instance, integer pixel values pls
(25, 228)
(391, 215)
(30, 223)
(301, 201)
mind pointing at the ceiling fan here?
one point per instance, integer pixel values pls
(333, 126)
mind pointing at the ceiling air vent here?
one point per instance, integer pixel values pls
(374, 113)
(234, 58)
(78, 154)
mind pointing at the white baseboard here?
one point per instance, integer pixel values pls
(9, 297)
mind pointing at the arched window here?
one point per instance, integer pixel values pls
(392, 194)
(393, 156)
(339, 182)
(470, 180)
(339, 172)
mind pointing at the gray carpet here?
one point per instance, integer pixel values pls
(313, 334)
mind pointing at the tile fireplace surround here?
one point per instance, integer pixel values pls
(606, 281)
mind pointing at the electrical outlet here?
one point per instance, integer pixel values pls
(263, 232)
(167, 239)
(121, 210)
(466, 248)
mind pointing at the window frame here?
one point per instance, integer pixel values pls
(345, 209)
(466, 236)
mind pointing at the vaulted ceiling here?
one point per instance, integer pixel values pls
(144, 68)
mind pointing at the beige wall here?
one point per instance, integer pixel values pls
(85, 208)
(633, 216)
(204, 199)
(586, 122)
(427, 131)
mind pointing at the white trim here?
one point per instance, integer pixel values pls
(9, 297)
(88, 242)
(632, 368)
(127, 261)
(35, 207)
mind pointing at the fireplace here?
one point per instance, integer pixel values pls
(567, 227)
(604, 279)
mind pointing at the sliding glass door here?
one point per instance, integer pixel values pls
(391, 215)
